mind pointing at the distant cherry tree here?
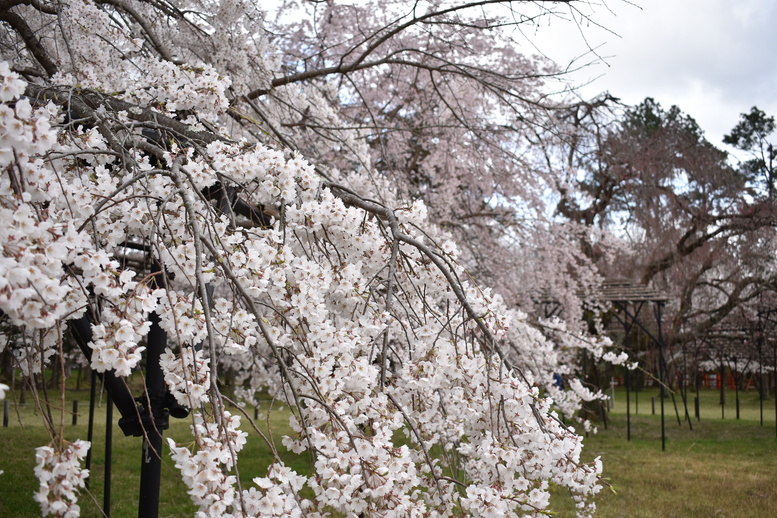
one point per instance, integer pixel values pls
(689, 221)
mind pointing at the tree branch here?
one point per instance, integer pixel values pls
(34, 45)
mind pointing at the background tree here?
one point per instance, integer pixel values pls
(690, 223)
(703, 234)
(440, 112)
(750, 135)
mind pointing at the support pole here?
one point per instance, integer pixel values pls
(151, 467)
(661, 373)
(626, 329)
(684, 391)
(628, 406)
(147, 419)
(676, 411)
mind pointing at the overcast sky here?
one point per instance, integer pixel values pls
(714, 59)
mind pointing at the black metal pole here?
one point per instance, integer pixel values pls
(108, 456)
(676, 411)
(626, 329)
(684, 390)
(661, 373)
(151, 467)
(628, 406)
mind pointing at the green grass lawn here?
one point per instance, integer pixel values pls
(723, 468)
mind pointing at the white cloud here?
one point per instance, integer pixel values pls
(713, 58)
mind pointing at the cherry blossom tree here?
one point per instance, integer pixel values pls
(315, 191)
(690, 223)
(442, 112)
(706, 230)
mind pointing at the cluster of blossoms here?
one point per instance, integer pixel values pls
(60, 475)
(141, 77)
(206, 471)
(187, 375)
(276, 494)
(123, 323)
(34, 246)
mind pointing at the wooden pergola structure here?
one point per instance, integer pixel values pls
(628, 299)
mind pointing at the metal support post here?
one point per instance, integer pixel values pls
(661, 373)
(151, 467)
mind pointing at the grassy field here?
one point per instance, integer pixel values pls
(722, 468)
